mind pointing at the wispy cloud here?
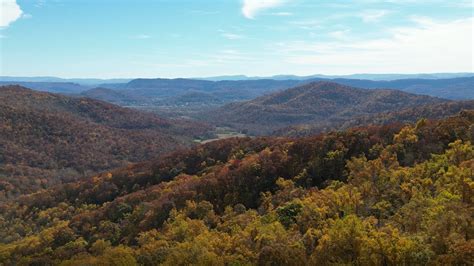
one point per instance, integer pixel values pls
(232, 36)
(282, 14)
(251, 8)
(40, 3)
(367, 16)
(204, 12)
(340, 34)
(309, 24)
(141, 36)
(373, 15)
(228, 56)
(219, 58)
(426, 47)
(26, 16)
(10, 12)
(464, 4)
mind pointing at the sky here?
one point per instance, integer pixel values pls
(202, 38)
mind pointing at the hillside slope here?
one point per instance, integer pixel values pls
(404, 115)
(154, 91)
(231, 90)
(323, 103)
(49, 138)
(54, 87)
(108, 95)
(451, 88)
(272, 201)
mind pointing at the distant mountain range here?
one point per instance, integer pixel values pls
(452, 88)
(152, 91)
(55, 87)
(96, 81)
(353, 76)
(82, 81)
(324, 104)
(228, 90)
(159, 91)
(48, 138)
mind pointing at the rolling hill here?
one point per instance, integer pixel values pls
(54, 87)
(450, 88)
(49, 138)
(155, 92)
(324, 103)
(405, 115)
(234, 90)
(108, 95)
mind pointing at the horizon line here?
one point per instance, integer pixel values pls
(237, 75)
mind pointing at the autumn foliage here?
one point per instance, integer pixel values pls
(390, 195)
(47, 139)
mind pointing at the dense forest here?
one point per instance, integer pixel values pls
(48, 138)
(399, 194)
(326, 105)
(404, 115)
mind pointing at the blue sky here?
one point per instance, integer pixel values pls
(176, 38)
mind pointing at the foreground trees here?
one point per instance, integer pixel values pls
(372, 196)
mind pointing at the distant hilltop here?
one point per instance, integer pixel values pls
(390, 76)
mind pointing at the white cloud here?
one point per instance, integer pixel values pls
(250, 8)
(430, 46)
(339, 34)
(228, 56)
(9, 12)
(307, 24)
(40, 3)
(232, 36)
(282, 14)
(373, 15)
(464, 4)
(141, 36)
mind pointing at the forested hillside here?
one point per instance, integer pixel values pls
(405, 115)
(325, 104)
(461, 88)
(390, 195)
(47, 139)
(56, 87)
(108, 95)
(170, 92)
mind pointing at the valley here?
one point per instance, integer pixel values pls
(47, 139)
(159, 118)
(222, 133)
(159, 176)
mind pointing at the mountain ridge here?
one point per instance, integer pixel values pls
(154, 91)
(320, 101)
(48, 138)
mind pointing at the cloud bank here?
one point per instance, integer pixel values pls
(427, 47)
(9, 12)
(251, 8)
